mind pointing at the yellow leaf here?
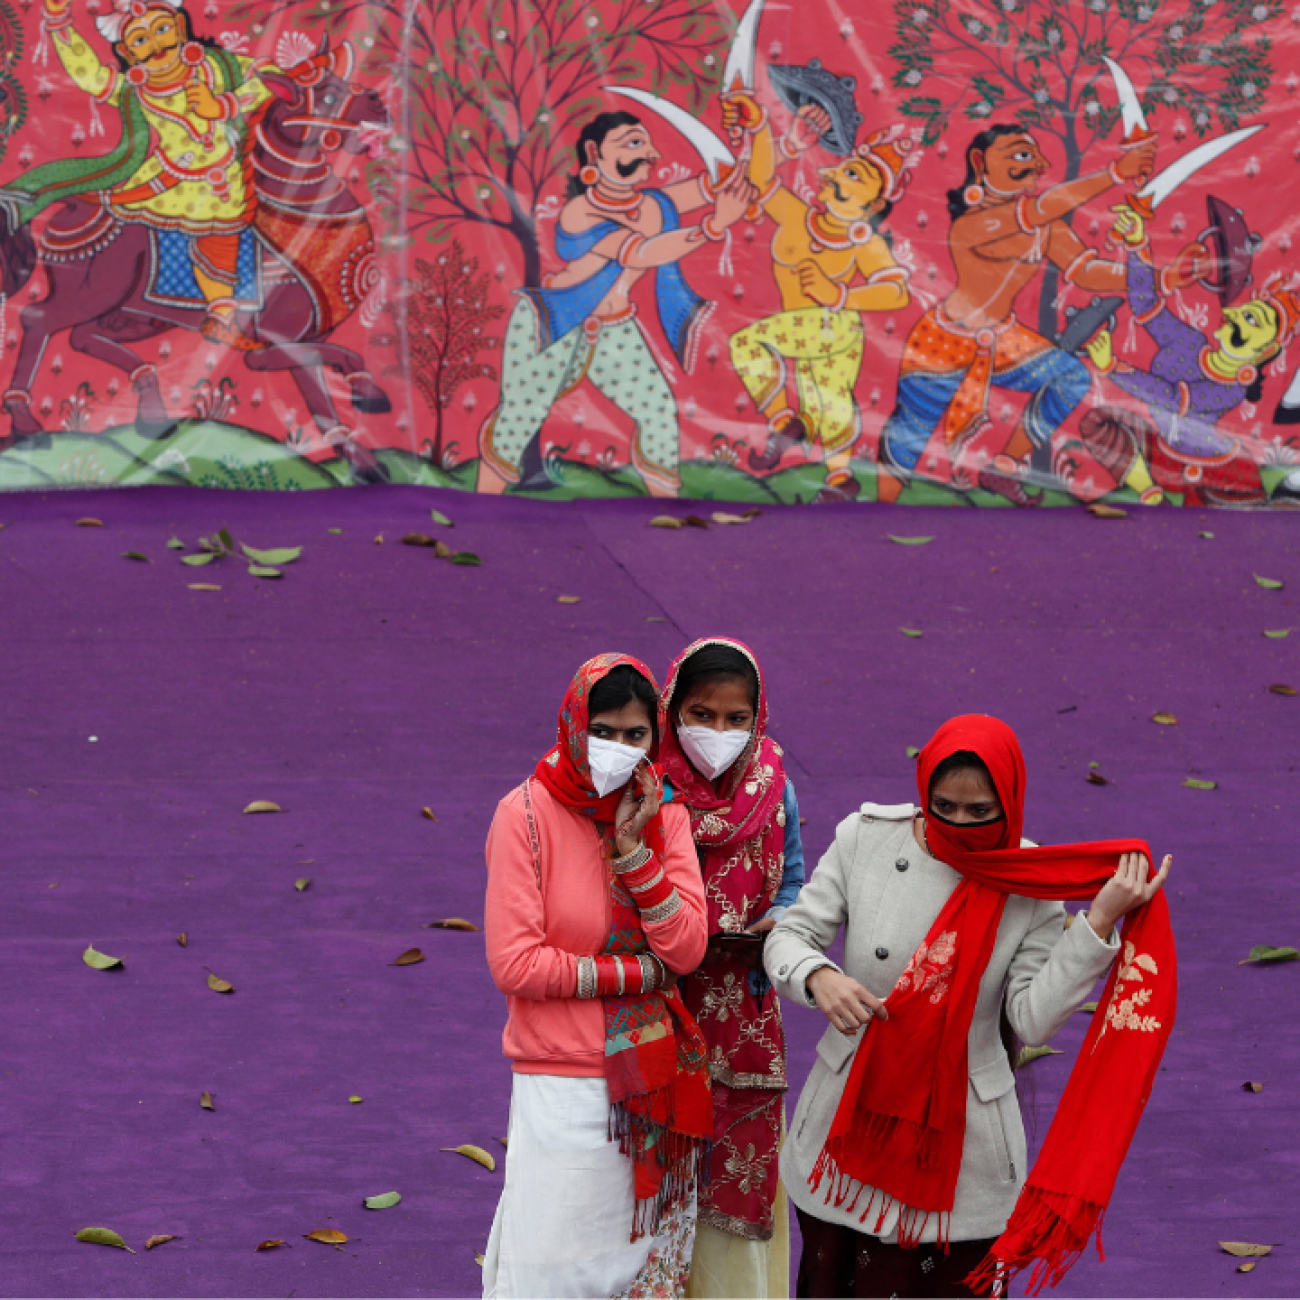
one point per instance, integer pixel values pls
(478, 1258)
(183, 939)
(1100, 510)
(568, 600)
(722, 517)
(205, 1100)
(159, 1239)
(379, 541)
(1164, 719)
(451, 923)
(428, 813)
(1245, 1249)
(218, 985)
(100, 960)
(90, 522)
(204, 586)
(1247, 1267)
(666, 521)
(354, 1099)
(1089, 1006)
(474, 1153)
(271, 1245)
(1281, 688)
(302, 884)
(102, 1237)
(263, 806)
(410, 957)
(330, 1236)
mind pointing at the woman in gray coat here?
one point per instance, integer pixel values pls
(882, 884)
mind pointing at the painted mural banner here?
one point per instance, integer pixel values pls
(986, 252)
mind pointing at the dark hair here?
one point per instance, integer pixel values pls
(963, 760)
(1256, 390)
(710, 664)
(957, 205)
(620, 686)
(594, 133)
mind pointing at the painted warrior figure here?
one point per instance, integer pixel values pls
(1193, 380)
(830, 262)
(581, 323)
(186, 108)
(1002, 230)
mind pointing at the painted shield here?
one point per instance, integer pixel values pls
(796, 86)
(1232, 245)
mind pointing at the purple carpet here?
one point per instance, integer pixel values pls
(375, 680)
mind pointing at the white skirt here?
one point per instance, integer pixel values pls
(565, 1215)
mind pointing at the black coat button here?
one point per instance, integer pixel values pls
(882, 953)
(902, 864)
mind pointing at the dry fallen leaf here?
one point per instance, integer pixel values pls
(204, 586)
(272, 1244)
(1089, 1007)
(474, 1153)
(909, 541)
(418, 539)
(451, 923)
(913, 752)
(695, 521)
(100, 960)
(722, 517)
(1245, 1249)
(1096, 778)
(1250, 1086)
(386, 1201)
(911, 631)
(1247, 1267)
(379, 540)
(102, 1237)
(302, 884)
(1269, 584)
(568, 600)
(90, 522)
(330, 1236)
(1100, 510)
(1192, 783)
(428, 813)
(205, 1100)
(159, 1239)
(1164, 719)
(183, 939)
(263, 806)
(354, 1099)
(1281, 688)
(478, 1258)
(666, 521)
(218, 985)
(410, 957)
(1028, 1054)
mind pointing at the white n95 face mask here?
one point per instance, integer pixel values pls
(611, 763)
(712, 752)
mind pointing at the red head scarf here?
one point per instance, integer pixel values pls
(900, 1127)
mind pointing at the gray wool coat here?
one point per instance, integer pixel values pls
(878, 884)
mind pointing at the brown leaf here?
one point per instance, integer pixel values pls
(428, 812)
(1247, 1267)
(752, 513)
(1281, 688)
(1096, 778)
(204, 586)
(474, 1153)
(451, 923)
(205, 1100)
(1252, 1087)
(568, 600)
(183, 939)
(1245, 1249)
(218, 985)
(418, 539)
(159, 1239)
(1164, 719)
(330, 1236)
(379, 540)
(90, 522)
(443, 551)
(695, 521)
(410, 957)
(272, 1244)
(722, 517)
(478, 1258)
(263, 806)
(1100, 510)
(665, 521)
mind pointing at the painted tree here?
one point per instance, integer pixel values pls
(1198, 64)
(492, 93)
(445, 318)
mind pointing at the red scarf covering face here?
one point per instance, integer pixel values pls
(737, 824)
(655, 1064)
(900, 1127)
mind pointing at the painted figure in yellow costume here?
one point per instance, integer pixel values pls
(197, 102)
(830, 264)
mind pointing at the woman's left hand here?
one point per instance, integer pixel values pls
(640, 802)
(1126, 891)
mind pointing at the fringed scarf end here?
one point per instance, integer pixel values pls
(1047, 1234)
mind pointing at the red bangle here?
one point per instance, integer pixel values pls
(618, 976)
(648, 885)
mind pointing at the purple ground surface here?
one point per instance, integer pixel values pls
(375, 680)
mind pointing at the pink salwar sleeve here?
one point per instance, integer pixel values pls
(522, 963)
(680, 937)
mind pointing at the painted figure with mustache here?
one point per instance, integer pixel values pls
(1192, 383)
(831, 263)
(188, 108)
(580, 323)
(1002, 231)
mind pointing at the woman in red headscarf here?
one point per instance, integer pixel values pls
(721, 764)
(907, 1157)
(594, 906)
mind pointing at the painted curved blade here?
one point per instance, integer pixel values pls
(702, 138)
(738, 73)
(1164, 183)
(1131, 116)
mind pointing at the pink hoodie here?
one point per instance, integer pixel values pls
(536, 934)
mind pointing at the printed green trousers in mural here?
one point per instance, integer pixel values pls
(615, 358)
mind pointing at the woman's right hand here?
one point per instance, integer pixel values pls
(843, 1001)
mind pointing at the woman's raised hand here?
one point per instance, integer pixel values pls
(640, 802)
(843, 1001)
(1127, 890)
